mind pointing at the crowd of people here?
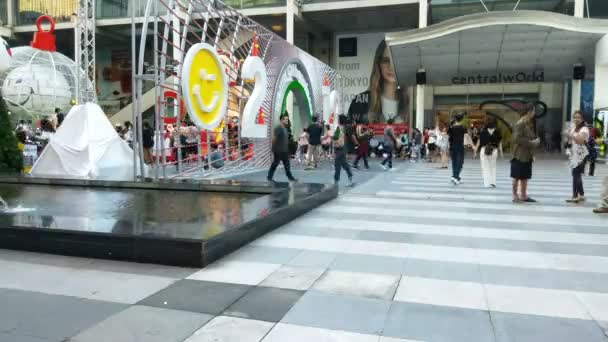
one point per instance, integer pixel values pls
(440, 145)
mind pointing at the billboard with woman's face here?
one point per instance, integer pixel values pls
(371, 91)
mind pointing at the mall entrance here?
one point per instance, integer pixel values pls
(492, 64)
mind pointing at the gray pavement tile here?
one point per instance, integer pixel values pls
(379, 286)
(368, 263)
(142, 323)
(140, 269)
(264, 304)
(437, 323)
(453, 241)
(197, 296)
(6, 337)
(538, 278)
(274, 255)
(303, 229)
(529, 328)
(231, 329)
(541, 246)
(336, 312)
(442, 270)
(50, 316)
(313, 259)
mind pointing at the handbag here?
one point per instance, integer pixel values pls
(489, 149)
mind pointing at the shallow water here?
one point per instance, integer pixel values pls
(184, 214)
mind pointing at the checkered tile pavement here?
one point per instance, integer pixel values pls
(402, 257)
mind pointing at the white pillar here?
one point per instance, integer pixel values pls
(565, 104)
(600, 100)
(579, 8)
(420, 106)
(423, 13)
(10, 8)
(576, 95)
(290, 14)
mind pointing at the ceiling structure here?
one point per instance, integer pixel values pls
(512, 46)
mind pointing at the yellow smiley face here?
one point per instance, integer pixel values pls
(204, 86)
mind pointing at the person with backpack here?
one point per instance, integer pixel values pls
(390, 142)
(363, 135)
(315, 132)
(578, 152)
(340, 161)
(592, 157)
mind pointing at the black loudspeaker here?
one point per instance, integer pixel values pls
(421, 77)
(578, 73)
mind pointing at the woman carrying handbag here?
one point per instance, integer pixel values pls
(577, 153)
(488, 146)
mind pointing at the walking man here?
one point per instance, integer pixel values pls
(315, 131)
(280, 150)
(340, 152)
(603, 208)
(456, 133)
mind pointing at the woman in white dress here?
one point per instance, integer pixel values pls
(577, 152)
(488, 146)
(443, 144)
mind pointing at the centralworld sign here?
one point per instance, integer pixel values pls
(518, 77)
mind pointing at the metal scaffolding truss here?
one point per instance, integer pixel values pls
(85, 52)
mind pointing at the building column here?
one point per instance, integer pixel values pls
(11, 13)
(600, 101)
(423, 13)
(575, 95)
(290, 17)
(420, 88)
(579, 8)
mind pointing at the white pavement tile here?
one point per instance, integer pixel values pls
(231, 329)
(237, 272)
(295, 333)
(455, 215)
(535, 260)
(532, 301)
(293, 277)
(596, 304)
(474, 232)
(392, 339)
(442, 292)
(371, 285)
(101, 285)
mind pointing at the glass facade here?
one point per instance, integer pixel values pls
(597, 9)
(3, 13)
(29, 10)
(108, 9)
(441, 10)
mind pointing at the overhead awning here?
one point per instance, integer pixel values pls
(497, 47)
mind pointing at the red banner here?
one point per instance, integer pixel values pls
(378, 129)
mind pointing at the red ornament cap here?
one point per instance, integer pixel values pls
(44, 40)
(256, 47)
(326, 82)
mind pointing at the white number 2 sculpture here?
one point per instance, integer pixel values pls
(254, 70)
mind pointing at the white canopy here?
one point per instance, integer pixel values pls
(86, 146)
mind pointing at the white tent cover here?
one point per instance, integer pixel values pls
(85, 146)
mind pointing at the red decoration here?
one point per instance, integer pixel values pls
(44, 40)
(171, 94)
(256, 47)
(326, 82)
(331, 119)
(260, 120)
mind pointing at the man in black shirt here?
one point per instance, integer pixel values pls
(315, 131)
(456, 133)
(280, 149)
